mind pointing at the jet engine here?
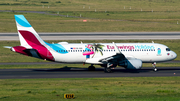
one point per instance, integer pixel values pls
(131, 63)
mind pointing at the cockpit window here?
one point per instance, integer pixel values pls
(167, 49)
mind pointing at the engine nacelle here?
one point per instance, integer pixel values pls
(131, 64)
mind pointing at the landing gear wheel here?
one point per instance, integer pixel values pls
(154, 65)
(91, 68)
(155, 69)
(107, 70)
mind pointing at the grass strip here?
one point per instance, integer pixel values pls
(91, 5)
(101, 22)
(88, 89)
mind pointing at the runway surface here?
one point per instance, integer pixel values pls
(84, 73)
(98, 35)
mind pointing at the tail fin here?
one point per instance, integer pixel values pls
(27, 35)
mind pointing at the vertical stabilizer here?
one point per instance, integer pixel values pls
(27, 35)
(31, 43)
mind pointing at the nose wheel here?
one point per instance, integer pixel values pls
(155, 69)
(154, 65)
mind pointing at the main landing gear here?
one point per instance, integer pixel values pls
(91, 68)
(107, 69)
(154, 65)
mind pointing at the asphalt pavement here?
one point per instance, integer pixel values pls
(98, 35)
(70, 72)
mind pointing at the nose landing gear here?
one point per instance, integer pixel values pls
(154, 65)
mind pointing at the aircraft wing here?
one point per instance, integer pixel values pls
(117, 56)
(104, 60)
(113, 58)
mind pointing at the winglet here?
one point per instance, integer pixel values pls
(116, 48)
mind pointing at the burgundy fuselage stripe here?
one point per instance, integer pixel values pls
(35, 44)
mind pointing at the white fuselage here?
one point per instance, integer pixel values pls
(147, 52)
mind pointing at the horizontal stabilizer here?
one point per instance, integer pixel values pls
(7, 47)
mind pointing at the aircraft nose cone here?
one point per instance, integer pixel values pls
(173, 55)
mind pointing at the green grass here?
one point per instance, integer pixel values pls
(116, 22)
(88, 89)
(50, 66)
(77, 5)
(48, 23)
(116, 19)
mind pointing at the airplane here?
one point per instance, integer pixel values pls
(107, 55)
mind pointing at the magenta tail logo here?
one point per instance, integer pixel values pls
(29, 38)
(35, 44)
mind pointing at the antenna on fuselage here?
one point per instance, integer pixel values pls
(152, 41)
(81, 42)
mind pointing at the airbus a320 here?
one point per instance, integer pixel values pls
(108, 55)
